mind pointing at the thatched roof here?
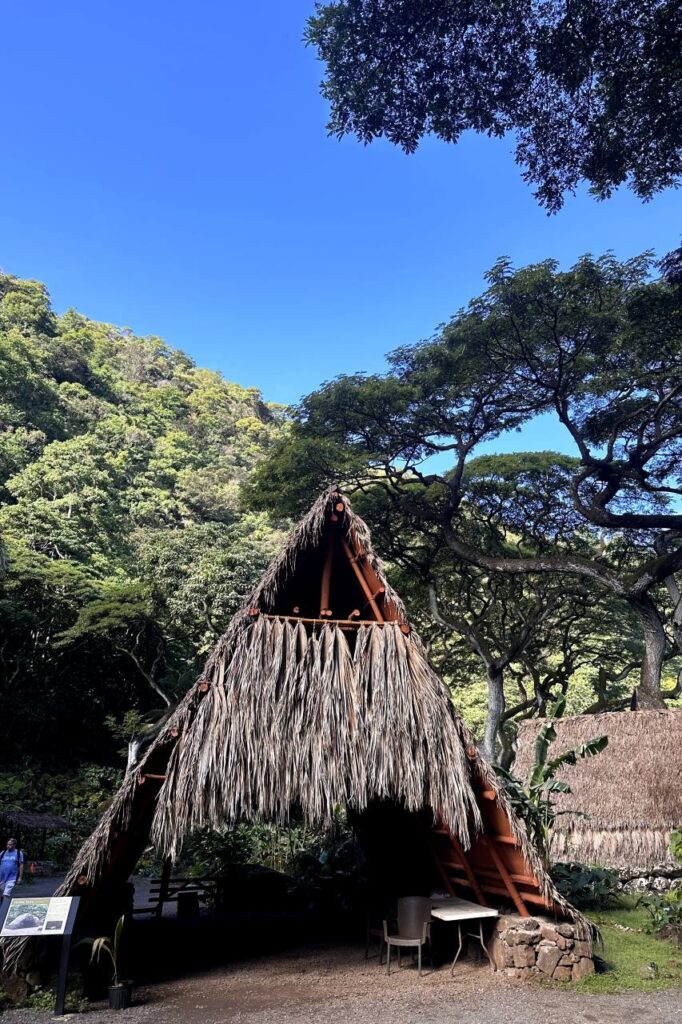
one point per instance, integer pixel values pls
(16, 819)
(631, 792)
(295, 710)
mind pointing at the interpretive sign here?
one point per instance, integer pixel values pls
(36, 915)
(41, 917)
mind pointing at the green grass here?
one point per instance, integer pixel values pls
(626, 952)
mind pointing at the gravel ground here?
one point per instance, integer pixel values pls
(333, 985)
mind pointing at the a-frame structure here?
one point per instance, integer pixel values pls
(321, 694)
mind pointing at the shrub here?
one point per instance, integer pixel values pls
(586, 885)
(662, 909)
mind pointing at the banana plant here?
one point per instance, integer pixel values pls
(534, 801)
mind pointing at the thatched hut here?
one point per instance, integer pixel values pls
(320, 694)
(624, 803)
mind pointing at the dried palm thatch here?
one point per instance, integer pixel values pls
(307, 714)
(630, 795)
(298, 720)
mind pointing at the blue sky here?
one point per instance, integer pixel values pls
(167, 168)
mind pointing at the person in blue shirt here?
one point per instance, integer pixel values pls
(11, 867)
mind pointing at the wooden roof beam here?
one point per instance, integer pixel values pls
(507, 879)
(353, 559)
(468, 870)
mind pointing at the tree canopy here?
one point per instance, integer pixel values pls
(599, 347)
(591, 90)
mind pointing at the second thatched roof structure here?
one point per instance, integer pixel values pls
(625, 802)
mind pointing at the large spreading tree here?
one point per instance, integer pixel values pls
(592, 89)
(599, 348)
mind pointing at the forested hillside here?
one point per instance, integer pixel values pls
(129, 537)
(125, 548)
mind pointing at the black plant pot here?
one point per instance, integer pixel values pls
(121, 995)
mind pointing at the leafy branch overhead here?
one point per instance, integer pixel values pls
(591, 91)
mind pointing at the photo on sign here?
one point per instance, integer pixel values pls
(36, 916)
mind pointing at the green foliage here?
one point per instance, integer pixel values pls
(125, 545)
(79, 795)
(44, 998)
(627, 949)
(534, 800)
(280, 847)
(325, 863)
(539, 566)
(587, 886)
(591, 91)
(662, 908)
(332, 870)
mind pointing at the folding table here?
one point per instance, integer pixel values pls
(455, 909)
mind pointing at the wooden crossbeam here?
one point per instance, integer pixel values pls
(499, 890)
(487, 873)
(328, 622)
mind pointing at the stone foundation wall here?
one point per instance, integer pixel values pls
(527, 946)
(659, 883)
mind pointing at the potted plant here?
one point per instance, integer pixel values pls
(120, 992)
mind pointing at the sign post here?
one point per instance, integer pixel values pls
(41, 917)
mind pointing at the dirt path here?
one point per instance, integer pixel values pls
(329, 985)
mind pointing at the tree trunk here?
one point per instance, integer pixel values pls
(649, 690)
(496, 706)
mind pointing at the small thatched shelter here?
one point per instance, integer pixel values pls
(14, 820)
(20, 823)
(628, 798)
(320, 694)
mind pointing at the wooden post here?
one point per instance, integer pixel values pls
(325, 610)
(361, 579)
(64, 959)
(163, 887)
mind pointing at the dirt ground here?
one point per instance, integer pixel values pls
(335, 985)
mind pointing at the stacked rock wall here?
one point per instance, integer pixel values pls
(526, 946)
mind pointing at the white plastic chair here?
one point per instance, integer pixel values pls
(414, 929)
